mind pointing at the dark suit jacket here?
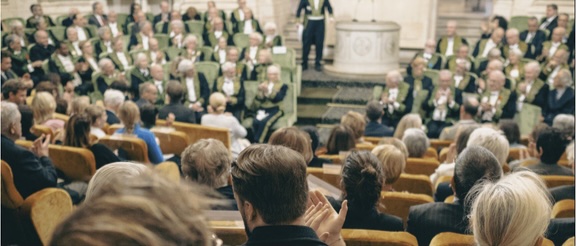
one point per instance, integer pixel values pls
(375, 129)
(427, 220)
(39, 53)
(318, 162)
(67, 22)
(563, 106)
(158, 18)
(103, 155)
(550, 26)
(31, 173)
(136, 79)
(9, 75)
(537, 40)
(368, 220)
(550, 169)
(562, 192)
(112, 118)
(181, 112)
(186, 18)
(560, 230)
(94, 21)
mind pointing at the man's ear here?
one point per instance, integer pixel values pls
(540, 151)
(249, 210)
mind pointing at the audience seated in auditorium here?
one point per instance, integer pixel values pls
(393, 163)
(6, 67)
(258, 67)
(276, 215)
(174, 96)
(468, 112)
(44, 106)
(207, 162)
(232, 86)
(565, 191)
(97, 116)
(561, 98)
(32, 169)
(416, 142)
(474, 165)
(407, 122)
(550, 146)
(565, 123)
(294, 139)
(357, 123)
(532, 90)
(129, 115)
(485, 45)
(78, 135)
(533, 152)
(14, 91)
(374, 127)
(161, 211)
(450, 43)
(497, 102)
(108, 76)
(148, 95)
(496, 22)
(442, 105)
(113, 99)
(218, 117)
(268, 103)
(176, 33)
(341, 140)
(139, 74)
(362, 180)
(315, 142)
(514, 210)
(216, 31)
(397, 99)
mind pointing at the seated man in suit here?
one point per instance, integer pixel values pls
(219, 54)
(493, 65)
(450, 43)
(551, 145)
(554, 45)
(195, 87)
(237, 14)
(460, 55)
(20, 58)
(463, 81)
(248, 25)
(68, 21)
(565, 191)
(497, 102)
(174, 96)
(513, 42)
(551, 68)
(32, 170)
(122, 60)
(563, 22)
(6, 68)
(533, 36)
(561, 98)
(164, 15)
(474, 165)
(532, 90)
(442, 105)
(108, 76)
(550, 21)
(73, 42)
(141, 40)
(98, 18)
(494, 54)
(79, 23)
(232, 86)
(211, 36)
(104, 44)
(37, 14)
(157, 79)
(115, 27)
(397, 98)
(433, 59)
(139, 74)
(268, 104)
(485, 45)
(374, 128)
(113, 99)
(40, 52)
(468, 112)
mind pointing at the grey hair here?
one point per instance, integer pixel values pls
(445, 72)
(416, 142)
(185, 65)
(10, 115)
(145, 87)
(227, 66)
(103, 30)
(143, 23)
(394, 74)
(564, 122)
(492, 140)
(113, 98)
(533, 65)
(11, 38)
(70, 29)
(141, 56)
(495, 52)
(270, 25)
(565, 77)
(256, 35)
(190, 38)
(113, 172)
(16, 23)
(274, 68)
(517, 52)
(103, 62)
(177, 23)
(512, 211)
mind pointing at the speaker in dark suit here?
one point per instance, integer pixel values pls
(314, 26)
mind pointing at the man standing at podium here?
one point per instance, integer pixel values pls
(314, 27)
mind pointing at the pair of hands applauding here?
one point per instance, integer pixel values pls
(321, 217)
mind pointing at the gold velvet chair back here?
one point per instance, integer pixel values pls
(449, 199)
(517, 154)
(111, 129)
(11, 198)
(333, 179)
(375, 140)
(563, 209)
(230, 235)
(421, 166)
(452, 239)
(569, 242)
(398, 203)
(355, 237)
(365, 146)
(196, 132)
(135, 148)
(443, 155)
(557, 180)
(169, 170)
(439, 144)
(414, 183)
(38, 130)
(171, 141)
(431, 153)
(62, 117)
(442, 179)
(76, 163)
(335, 159)
(46, 209)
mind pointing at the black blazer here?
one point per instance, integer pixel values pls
(565, 105)
(67, 22)
(158, 18)
(368, 220)
(103, 155)
(94, 21)
(550, 169)
(560, 230)
(186, 18)
(112, 118)
(305, 5)
(9, 75)
(31, 173)
(537, 40)
(375, 129)
(427, 220)
(550, 26)
(562, 192)
(181, 112)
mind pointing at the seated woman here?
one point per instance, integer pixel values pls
(357, 123)
(268, 104)
(78, 105)
(512, 211)
(341, 139)
(207, 162)
(416, 142)
(407, 122)
(295, 139)
(393, 164)
(43, 107)
(217, 118)
(191, 14)
(515, 67)
(315, 141)
(190, 49)
(97, 116)
(129, 115)
(362, 181)
(271, 36)
(78, 135)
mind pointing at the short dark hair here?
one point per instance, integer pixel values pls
(341, 139)
(553, 145)
(273, 179)
(12, 86)
(61, 106)
(6, 54)
(554, 6)
(502, 22)
(362, 180)
(314, 135)
(470, 108)
(462, 138)
(175, 90)
(374, 110)
(33, 6)
(511, 130)
(120, 86)
(148, 115)
(537, 129)
(474, 165)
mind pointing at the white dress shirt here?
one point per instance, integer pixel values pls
(241, 14)
(553, 75)
(144, 72)
(489, 45)
(81, 34)
(222, 55)
(547, 22)
(108, 45)
(457, 80)
(113, 29)
(228, 87)
(153, 58)
(248, 28)
(270, 87)
(316, 2)
(159, 85)
(99, 19)
(145, 39)
(123, 59)
(93, 64)
(77, 49)
(559, 93)
(529, 37)
(67, 63)
(522, 96)
(450, 47)
(492, 100)
(514, 73)
(553, 49)
(218, 34)
(392, 96)
(252, 54)
(191, 89)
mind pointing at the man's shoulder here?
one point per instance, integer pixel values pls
(434, 209)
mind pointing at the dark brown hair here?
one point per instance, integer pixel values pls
(295, 139)
(341, 139)
(78, 131)
(362, 180)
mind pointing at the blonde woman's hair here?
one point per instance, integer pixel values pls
(94, 112)
(218, 102)
(78, 105)
(43, 107)
(129, 114)
(110, 174)
(295, 139)
(408, 121)
(512, 211)
(356, 122)
(207, 162)
(396, 143)
(393, 161)
(492, 140)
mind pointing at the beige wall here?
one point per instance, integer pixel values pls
(509, 8)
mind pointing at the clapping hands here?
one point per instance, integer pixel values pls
(321, 217)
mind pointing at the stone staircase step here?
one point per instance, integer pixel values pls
(336, 111)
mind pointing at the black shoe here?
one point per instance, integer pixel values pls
(304, 67)
(318, 68)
